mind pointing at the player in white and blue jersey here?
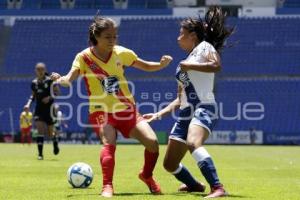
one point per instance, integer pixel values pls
(203, 40)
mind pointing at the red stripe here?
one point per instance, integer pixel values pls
(94, 67)
(101, 74)
(87, 85)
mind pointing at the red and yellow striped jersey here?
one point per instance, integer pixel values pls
(106, 84)
(25, 119)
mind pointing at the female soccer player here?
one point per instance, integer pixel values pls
(198, 110)
(111, 105)
(43, 114)
(25, 125)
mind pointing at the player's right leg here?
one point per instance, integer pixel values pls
(52, 134)
(41, 127)
(107, 159)
(28, 134)
(23, 135)
(144, 133)
(108, 137)
(176, 150)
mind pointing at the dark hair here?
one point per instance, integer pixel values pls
(98, 26)
(212, 29)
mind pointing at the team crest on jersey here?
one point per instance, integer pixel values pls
(182, 77)
(111, 84)
(45, 85)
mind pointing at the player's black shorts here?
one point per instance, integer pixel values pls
(44, 115)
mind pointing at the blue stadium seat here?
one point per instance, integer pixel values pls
(136, 3)
(104, 4)
(291, 3)
(3, 4)
(157, 4)
(83, 4)
(53, 4)
(31, 4)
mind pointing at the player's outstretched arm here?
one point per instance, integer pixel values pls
(155, 116)
(170, 108)
(212, 65)
(150, 66)
(67, 79)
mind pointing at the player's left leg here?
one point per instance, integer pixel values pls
(54, 137)
(28, 135)
(108, 136)
(144, 133)
(195, 140)
(22, 136)
(176, 150)
(42, 129)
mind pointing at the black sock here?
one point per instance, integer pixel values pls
(40, 144)
(183, 175)
(55, 141)
(55, 145)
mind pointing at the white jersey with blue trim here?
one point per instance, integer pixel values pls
(197, 86)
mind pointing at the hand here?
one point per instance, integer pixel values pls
(46, 100)
(55, 76)
(165, 60)
(151, 117)
(26, 108)
(184, 66)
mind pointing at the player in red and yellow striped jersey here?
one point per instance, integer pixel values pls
(111, 105)
(25, 125)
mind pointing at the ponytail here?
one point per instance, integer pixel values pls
(212, 29)
(216, 32)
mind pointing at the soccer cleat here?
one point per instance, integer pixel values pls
(40, 157)
(151, 183)
(216, 192)
(107, 191)
(200, 187)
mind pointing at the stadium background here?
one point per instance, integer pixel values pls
(263, 64)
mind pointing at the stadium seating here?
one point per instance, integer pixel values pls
(254, 44)
(157, 4)
(291, 4)
(3, 4)
(137, 3)
(59, 37)
(94, 4)
(278, 96)
(259, 48)
(104, 4)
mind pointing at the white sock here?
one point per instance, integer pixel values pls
(178, 169)
(200, 154)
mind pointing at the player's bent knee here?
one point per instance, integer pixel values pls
(169, 167)
(192, 145)
(152, 145)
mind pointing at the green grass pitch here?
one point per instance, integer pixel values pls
(248, 172)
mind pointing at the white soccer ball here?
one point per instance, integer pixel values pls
(80, 175)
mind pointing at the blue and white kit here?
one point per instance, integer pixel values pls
(197, 99)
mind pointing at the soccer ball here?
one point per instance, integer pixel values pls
(80, 175)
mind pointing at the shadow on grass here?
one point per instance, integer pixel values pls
(239, 196)
(132, 194)
(81, 195)
(53, 159)
(128, 194)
